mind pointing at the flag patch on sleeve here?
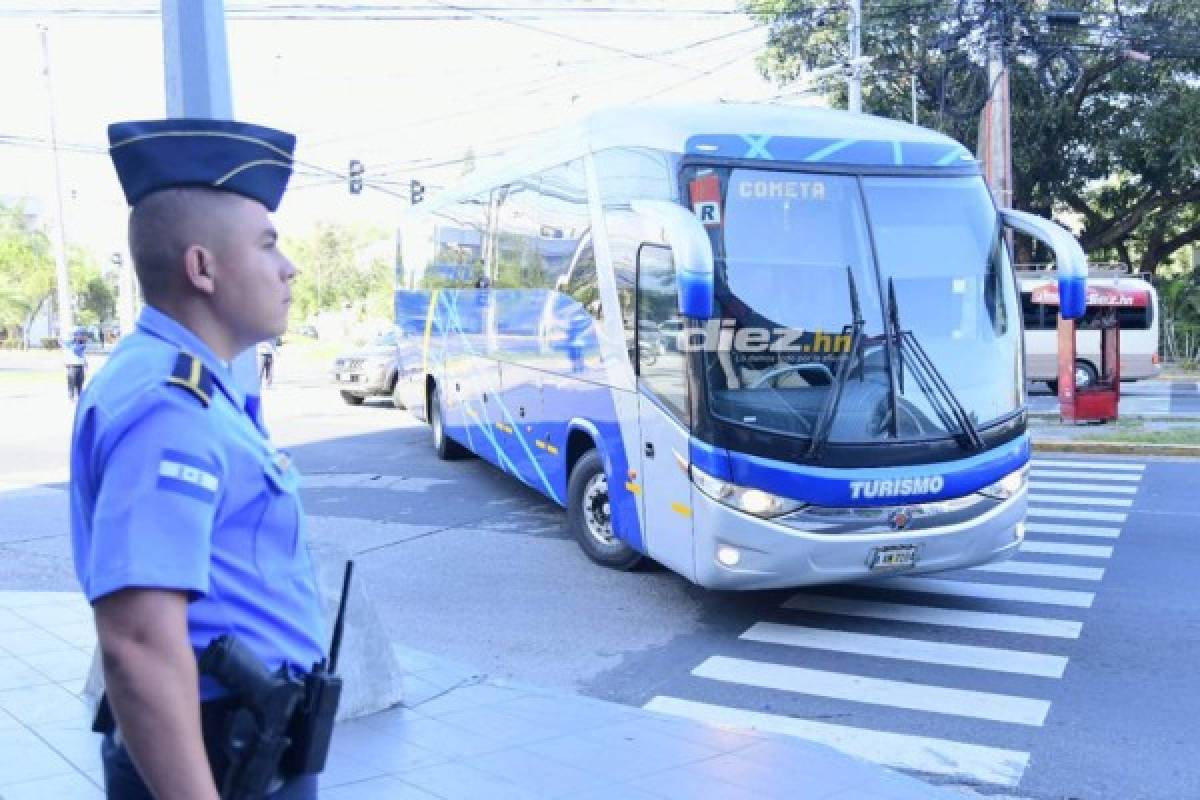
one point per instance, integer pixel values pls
(187, 474)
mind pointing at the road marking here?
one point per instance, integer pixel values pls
(992, 591)
(1088, 465)
(1082, 487)
(897, 750)
(1113, 502)
(1072, 513)
(1043, 569)
(1092, 476)
(1071, 530)
(951, 655)
(876, 691)
(1059, 549)
(933, 615)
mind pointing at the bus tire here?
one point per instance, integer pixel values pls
(1086, 375)
(446, 448)
(352, 399)
(589, 516)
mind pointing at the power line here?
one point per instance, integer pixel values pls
(566, 36)
(380, 12)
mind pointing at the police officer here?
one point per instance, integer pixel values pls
(185, 519)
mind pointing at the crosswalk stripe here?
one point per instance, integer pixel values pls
(876, 691)
(1071, 530)
(992, 591)
(997, 659)
(897, 750)
(1082, 487)
(1067, 499)
(1060, 549)
(1092, 476)
(933, 615)
(1074, 513)
(1088, 465)
(1043, 569)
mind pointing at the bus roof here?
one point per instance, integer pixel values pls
(745, 131)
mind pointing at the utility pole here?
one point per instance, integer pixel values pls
(855, 87)
(126, 304)
(66, 314)
(995, 140)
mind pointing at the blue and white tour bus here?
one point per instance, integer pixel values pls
(763, 346)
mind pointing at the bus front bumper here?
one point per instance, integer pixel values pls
(774, 555)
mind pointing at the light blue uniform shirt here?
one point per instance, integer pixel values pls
(169, 493)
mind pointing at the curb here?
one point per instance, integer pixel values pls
(1115, 448)
(1054, 416)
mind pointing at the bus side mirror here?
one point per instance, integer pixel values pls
(691, 251)
(1069, 258)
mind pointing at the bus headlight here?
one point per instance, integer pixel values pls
(751, 501)
(1009, 485)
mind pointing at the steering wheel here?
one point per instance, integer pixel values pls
(784, 369)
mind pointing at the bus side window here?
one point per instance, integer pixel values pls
(583, 285)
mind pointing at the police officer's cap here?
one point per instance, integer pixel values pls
(237, 157)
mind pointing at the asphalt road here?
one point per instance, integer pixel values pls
(1069, 675)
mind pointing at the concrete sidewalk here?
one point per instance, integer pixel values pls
(459, 736)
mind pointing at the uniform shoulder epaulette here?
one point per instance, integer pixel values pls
(191, 374)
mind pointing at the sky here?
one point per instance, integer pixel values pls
(397, 94)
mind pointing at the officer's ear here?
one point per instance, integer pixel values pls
(198, 266)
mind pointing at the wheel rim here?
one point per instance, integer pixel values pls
(1083, 376)
(597, 512)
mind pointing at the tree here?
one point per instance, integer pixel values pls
(1097, 131)
(95, 300)
(26, 268)
(335, 269)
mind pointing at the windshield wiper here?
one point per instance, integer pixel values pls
(824, 424)
(927, 375)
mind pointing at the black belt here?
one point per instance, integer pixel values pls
(213, 716)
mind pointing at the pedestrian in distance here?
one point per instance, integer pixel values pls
(266, 361)
(186, 521)
(76, 360)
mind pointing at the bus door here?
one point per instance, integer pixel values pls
(663, 412)
(472, 374)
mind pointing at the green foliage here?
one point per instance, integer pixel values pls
(1119, 145)
(95, 299)
(26, 267)
(333, 272)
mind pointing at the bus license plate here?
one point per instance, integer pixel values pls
(893, 557)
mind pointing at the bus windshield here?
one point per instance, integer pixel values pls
(795, 252)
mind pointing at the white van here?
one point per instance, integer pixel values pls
(1136, 304)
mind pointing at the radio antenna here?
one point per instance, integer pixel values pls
(340, 623)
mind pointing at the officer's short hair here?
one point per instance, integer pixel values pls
(163, 225)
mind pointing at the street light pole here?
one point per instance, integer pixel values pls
(66, 314)
(855, 82)
(196, 68)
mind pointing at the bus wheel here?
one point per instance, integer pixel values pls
(1085, 374)
(352, 399)
(447, 449)
(589, 515)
